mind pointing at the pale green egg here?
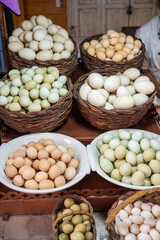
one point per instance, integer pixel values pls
(14, 91)
(62, 92)
(34, 93)
(24, 101)
(53, 97)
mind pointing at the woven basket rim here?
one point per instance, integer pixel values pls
(78, 84)
(110, 61)
(43, 111)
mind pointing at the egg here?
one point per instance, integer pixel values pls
(31, 184)
(74, 163)
(62, 165)
(150, 222)
(11, 171)
(46, 184)
(70, 173)
(95, 80)
(122, 91)
(143, 236)
(146, 214)
(140, 99)
(43, 154)
(110, 52)
(44, 165)
(56, 153)
(114, 40)
(54, 171)
(91, 51)
(28, 173)
(134, 228)
(122, 228)
(59, 181)
(138, 43)
(101, 55)
(44, 55)
(44, 93)
(146, 87)
(132, 73)
(35, 164)
(66, 157)
(18, 162)
(117, 57)
(95, 98)
(18, 180)
(122, 214)
(154, 234)
(123, 102)
(156, 211)
(41, 176)
(15, 46)
(138, 178)
(27, 53)
(32, 152)
(112, 83)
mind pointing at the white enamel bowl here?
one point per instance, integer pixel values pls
(80, 153)
(93, 156)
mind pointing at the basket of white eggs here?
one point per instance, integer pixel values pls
(40, 42)
(114, 101)
(112, 52)
(135, 216)
(35, 99)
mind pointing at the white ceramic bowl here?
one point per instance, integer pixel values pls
(80, 153)
(94, 154)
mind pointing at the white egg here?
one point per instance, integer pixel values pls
(146, 207)
(38, 78)
(39, 34)
(145, 228)
(134, 228)
(3, 100)
(112, 98)
(24, 101)
(45, 44)
(156, 210)
(114, 143)
(146, 214)
(127, 221)
(112, 83)
(84, 90)
(4, 90)
(143, 236)
(62, 79)
(148, 135)
(64, 33)
(124, 135)
(137, 135)
(132, 73)
(95, 80)
(53, 97)
(52, 29)
(122, 228)
(131, 89)
(146, 87)
(107, 137)
(57, 84)
(136, 211)
(124, 102)
(155, 144)
(154, 234)
(140, 98)
(122, 214)
(17, 82)
(134, 146)
(65, 54)
(124, 80)
(108, 106)
(58, 47)
(95, 98)
(141, 78)
(104, 93)
(44, 92)
(122, 91)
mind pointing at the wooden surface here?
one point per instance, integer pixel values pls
(97, 190)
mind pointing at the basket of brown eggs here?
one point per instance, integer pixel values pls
(39, 42)
(135, 216)
(109, 101)
(113, 52)
(35, 99)
(73, 219)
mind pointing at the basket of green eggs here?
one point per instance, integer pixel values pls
(35, 99)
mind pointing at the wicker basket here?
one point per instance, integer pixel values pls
(147, 195)
(91, 63)
(42, 121)
(59, 206)
(109, 119)
(66, 66)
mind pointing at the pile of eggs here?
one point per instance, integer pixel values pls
(38, 38)
(32, 89)
(132, 157)
(74, 226)
(139, 221)
(41, 165)
(113, 46)
(121, 91)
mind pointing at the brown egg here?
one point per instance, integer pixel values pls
(43, 154)
(48, 142)
(91, 51)
(31, 184)
(122, 40)
(9, 161)
(110, 31)
(70, 173)
(86, 45)
(138, 43)
(39, 146)
(54, 171)
(28, 161)
(124, 53)
(41, 140)
(18, 180)
(68, 202)
(118, 46)
(121, 34)
(127, 50)
(23, 147)
(46, 184)
(30, 144)
(62, 165)
(117, 57)
(18, 162)
(93, 42)
(66, 157)
(105, 43)
(59, 181)
(74, 163)
(114, 34)
(80, 227)
(84, 207)
(19, 153)
(110, 52)
(35, 164)
(101, 55)
(101, 49)
(32, 152)
(71, 151)
(44, 165)
(41, 176)
(130, 56)
(56, 153)
(10, 171)
(21, 170)
(28, 173)
(104, 36)
(51, 160)
(129, 39)
(113, 40)
(75, 207)
(62, 148)
(50, 148)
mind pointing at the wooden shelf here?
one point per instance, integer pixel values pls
(97, 190)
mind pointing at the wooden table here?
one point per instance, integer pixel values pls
(97, 190)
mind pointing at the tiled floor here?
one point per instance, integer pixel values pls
(39, 227)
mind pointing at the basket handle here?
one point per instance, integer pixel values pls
(73, 213)
(130, 199)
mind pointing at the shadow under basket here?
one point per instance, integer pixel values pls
(109, 119)
(60, 205)
(66, 66)
(42, 121)
(91, 63)
(148, 195)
